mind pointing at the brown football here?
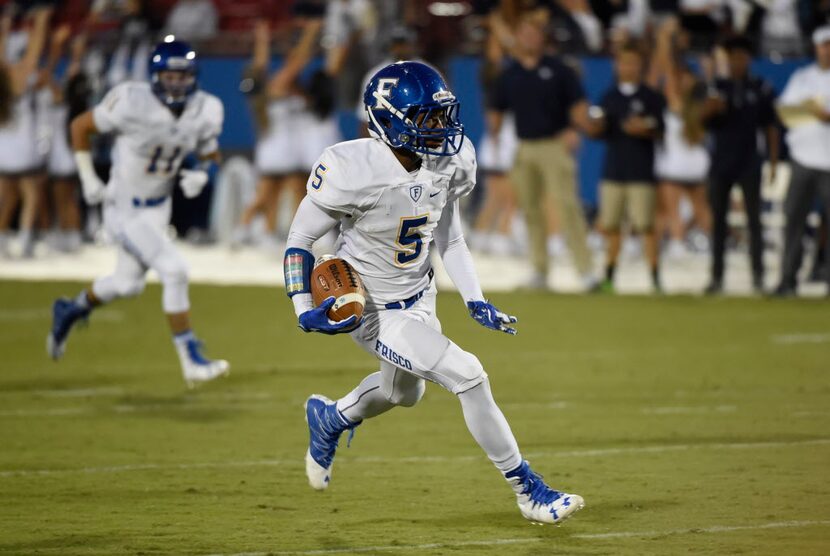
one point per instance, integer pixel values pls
(335, 277)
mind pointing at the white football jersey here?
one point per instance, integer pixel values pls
(150, 141)
(388, 215)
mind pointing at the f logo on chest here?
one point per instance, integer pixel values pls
(385, 85)
(415, 192)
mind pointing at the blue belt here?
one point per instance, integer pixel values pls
(410, 301)
(149, 201)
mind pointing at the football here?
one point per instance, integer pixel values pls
(335, 277)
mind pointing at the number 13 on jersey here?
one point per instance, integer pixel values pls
(410, 239)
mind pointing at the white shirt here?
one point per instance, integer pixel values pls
(388, 216)
(150, 141)
(809, 143)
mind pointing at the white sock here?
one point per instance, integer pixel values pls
(365, 401)
(489, 427)
(82, 301)
(182, 338)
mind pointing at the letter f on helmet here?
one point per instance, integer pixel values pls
(384, 89)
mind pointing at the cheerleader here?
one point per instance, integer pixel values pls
(20, 157)
(682, 161)
(294, 125)
(491, 230)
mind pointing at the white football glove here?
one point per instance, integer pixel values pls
(192, 182)
(92, 186)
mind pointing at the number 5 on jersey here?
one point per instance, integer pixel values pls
(319, 172)
(410, 239)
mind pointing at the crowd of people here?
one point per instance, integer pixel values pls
(685, 120)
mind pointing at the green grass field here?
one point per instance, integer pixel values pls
(689, 426)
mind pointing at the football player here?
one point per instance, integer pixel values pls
(392, 195)
(156, 125)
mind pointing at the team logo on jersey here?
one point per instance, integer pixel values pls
(385, 85)
(415, 192)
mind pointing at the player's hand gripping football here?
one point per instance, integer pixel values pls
(487, 315)
(317, 320)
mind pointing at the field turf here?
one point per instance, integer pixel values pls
(689, 425)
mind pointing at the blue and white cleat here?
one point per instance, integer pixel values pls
(537, 501)
(196, 368)
(325, 425)
(65, 313)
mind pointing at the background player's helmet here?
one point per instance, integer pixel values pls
(173, 56)
(409, 106)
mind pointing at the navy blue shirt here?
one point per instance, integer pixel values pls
(540, 98)
(750, 107)
(629, 158)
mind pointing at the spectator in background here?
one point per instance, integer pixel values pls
(402, 45)
(737, 109)
(575, 28)
(703, 19)
(350, 30)
(277, 103)
(804, 107)
(630, 120)
(60, 165)
(193, 20)
(20, 158)
(814, 14)
(546, 98)
(296, 119)
(682, 161)
(780, 30)
(491, 230)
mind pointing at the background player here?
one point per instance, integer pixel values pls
(156, 125)
(392, 194)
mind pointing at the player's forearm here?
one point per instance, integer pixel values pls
(458, 262)
(456, 256)
(81, 130)
(310, 224)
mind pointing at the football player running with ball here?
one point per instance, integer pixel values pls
(155, 125)
(392, 195)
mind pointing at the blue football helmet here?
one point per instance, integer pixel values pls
(173, 56)
(409, 106)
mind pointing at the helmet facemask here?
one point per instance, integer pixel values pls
(174, 86)
(433, 129)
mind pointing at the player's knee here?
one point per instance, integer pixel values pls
(464, 368)
(129, 287)
(409, 396)
(173, 271)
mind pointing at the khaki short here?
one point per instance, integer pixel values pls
(637, 200)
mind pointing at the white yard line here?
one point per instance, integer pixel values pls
(805, 338)
(685, 410)
(133, 408)
(100, 392)
(601, 452)
(502, 542)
